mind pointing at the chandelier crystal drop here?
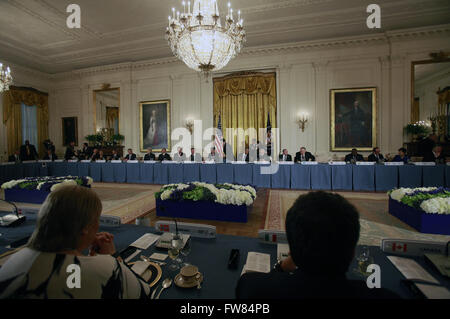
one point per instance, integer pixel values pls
(5, 78)
(198, 38)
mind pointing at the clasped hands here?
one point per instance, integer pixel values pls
(103, 244)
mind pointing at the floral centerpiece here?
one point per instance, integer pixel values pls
(426, 209)
(36, 189)
(223, 202)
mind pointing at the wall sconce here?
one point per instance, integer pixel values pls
(302, 119)
(190, 125)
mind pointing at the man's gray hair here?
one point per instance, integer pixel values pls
(64, 215)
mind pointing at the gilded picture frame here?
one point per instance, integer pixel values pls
(353, 117)
(154, 119)
(69, 130)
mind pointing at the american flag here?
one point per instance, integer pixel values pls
(218, 142)
(269, 125)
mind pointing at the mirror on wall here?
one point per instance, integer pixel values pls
(107, 111)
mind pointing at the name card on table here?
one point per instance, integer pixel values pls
(29, 162)
(286, 163)
(338, 163)
(72, 161)
(365, 163)
(45, 161)
(85, 161)
(188, 162)
(262, 163)
(238, 162)
(310, 163)
(209, 162)
(169, 162)
(59, 161)
(133, 162)
(9, 163)
(424, 163)
(149, 162)
(100, 161)
(116, 161)
(394, 163)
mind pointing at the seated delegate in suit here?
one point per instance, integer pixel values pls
(149, 156)
(101, 156)
(354, 157)
(115, 156)
(130, 156)
(304, 156)
(50, 156)
(436, 155)
(95, 155)
(14, 158)
(179, 156)
(285, 157)
(322, 231)
(70, 151)
(67, 226)
(164, 156)
(263, 157)
(376, 156)
(195, 157)
(28, 152)
(213, 156)
(401, 157)
(244, 157)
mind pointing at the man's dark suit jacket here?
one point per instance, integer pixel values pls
(372, 157)
(288, 158)
(115, 157)
(12, 158)
(47, 157)
(131, 157)
(308, 157)
(359, 158)
(70, 152)
(299, 285)
(150, 157)
(429, 157)
(164, 157)
(24, 156)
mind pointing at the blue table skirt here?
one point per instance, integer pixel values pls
(108, 173)
(321, 177)
(161, 174)
(146, 173)
(386, 178)
(243, 174)
(282, 178)
(225, 173)
(191, 173)
(84, 169)
(342, 177)
(301, 177)
(96, 171)
(261, 180)
(363, 178)
(120, 172)
(208, 173)
(434, 176)
(131, 173)
(175, 173)
(58, 168)
(410, 176)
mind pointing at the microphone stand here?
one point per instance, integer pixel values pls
(19, 219)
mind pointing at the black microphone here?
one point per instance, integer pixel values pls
(12, 220)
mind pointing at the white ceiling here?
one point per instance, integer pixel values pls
(33, 33)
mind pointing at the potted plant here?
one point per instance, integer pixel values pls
(118, 138)
(417, 130)
(92, 139)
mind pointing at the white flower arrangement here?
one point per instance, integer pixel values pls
(437, 205)
(12, 184)
(397, 194)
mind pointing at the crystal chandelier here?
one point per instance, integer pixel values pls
(199, 39)
(5, 78)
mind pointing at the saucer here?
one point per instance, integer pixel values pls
(190, 284)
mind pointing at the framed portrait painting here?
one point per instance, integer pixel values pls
(70, 130)
(155, 125)
(353, 119)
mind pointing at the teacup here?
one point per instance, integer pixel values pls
(189, 273)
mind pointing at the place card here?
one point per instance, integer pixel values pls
(72, 161)
(424, 163)
(238, 162)
(133, 162)
(169, 162)
(209, 162)
(394, 163)
(262, 163)
(8, 163)
(365, 163)
(100, 161)
(116, 161)
(309, 163)
(189, 162)
(59, 161)
(85, 161)
(45, 161)
(286, 163)
(337, 163)
(149, 162)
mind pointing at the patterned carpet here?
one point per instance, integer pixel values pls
(376, 222)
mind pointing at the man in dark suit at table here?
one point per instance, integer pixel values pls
(354, 157)
(322, 230)
(304, 156)
(115, 156)
(244, 157)
(376, 156)
(95, 155)
(164, 156)
(149, 156)
(14, 158)
(195, 157)
(70, 151)
(28, 152)
(130, 156)
(50, 156)
(285, 156)
(436, 155)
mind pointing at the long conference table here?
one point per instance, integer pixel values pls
(211, 256)
(302, 177)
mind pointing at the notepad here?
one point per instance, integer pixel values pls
(433, 292)
(257, 262)
(145, 241)
(411, 269)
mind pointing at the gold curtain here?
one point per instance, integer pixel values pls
(244, 101)
(12, 118)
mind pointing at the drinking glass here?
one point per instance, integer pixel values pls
(185, 252)
(174, 251)
(364, 260)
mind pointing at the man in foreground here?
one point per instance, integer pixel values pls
(322, 231)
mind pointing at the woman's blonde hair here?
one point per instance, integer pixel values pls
(64, 215)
